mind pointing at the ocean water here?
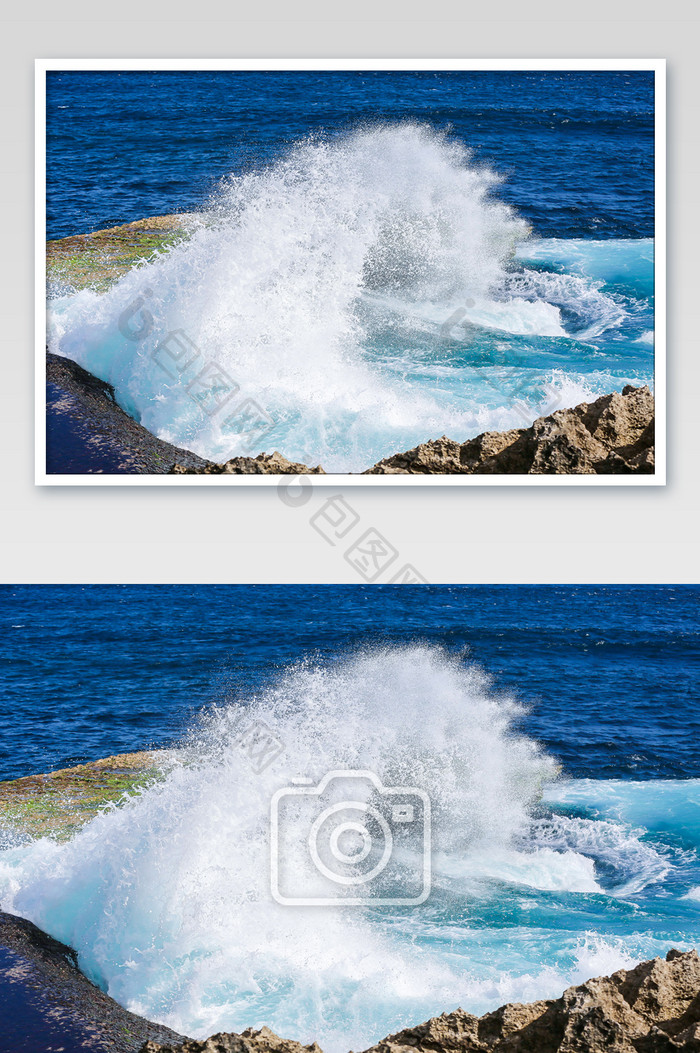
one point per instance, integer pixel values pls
(374, 259)
(553, 730)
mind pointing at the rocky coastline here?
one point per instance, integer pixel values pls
(652, 1008)
(87, 433)
(47, 1003)
(614, 435)
(58, 803)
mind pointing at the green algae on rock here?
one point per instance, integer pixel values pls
(98, 259)
(56, 804)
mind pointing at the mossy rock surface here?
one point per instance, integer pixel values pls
(56, 804)
(98, 259)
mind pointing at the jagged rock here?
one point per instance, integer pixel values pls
(264, 464)
(250, 1041)
(652, 1008)
(612, 436)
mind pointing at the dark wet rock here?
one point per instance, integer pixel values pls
(87, 433)
(47, 1004)
(612, 436)
(264, 464)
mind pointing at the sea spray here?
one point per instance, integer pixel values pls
(319, 287)
(168, 898)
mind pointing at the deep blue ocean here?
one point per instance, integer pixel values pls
(610, 672)
(576, 148)
(553, 732)
(374, 258)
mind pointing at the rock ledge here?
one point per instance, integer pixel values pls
(47, 1004)
(652, 1008)
(612, 436)
(264, 464)
(88, 433)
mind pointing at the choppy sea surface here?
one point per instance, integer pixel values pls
(375, 258)
(553, 730)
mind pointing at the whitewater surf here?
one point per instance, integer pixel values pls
(364, 293)
(537, 881)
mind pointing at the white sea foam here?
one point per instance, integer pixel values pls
(646, 338)
(589, 311)
(168, 899)
(631, 863)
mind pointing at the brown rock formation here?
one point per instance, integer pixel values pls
(612, 436)
(652, 1008)
(250, 1041)
(264, 464)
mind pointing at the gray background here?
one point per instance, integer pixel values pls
(476, 534)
